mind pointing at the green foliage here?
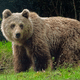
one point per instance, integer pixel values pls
(5, 55)
(0, 19)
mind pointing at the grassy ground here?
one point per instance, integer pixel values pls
(7, 72)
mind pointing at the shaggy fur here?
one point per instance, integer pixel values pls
(41, 39)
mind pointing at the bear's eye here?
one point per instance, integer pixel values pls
(21, 26)
(12, 26)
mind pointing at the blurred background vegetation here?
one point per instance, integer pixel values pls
(45, 8)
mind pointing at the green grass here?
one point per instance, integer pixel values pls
(5, 55)
(7, 72)
(61, 74)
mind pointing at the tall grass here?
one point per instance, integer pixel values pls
(7, 71)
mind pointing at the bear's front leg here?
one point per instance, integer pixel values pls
(21, 61)
(41, 57)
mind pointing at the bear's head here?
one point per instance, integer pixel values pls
(16, 27)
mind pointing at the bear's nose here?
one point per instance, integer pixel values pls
(17, 35)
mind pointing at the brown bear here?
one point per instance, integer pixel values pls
(35, 40)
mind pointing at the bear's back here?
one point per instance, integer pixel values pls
(58, 21)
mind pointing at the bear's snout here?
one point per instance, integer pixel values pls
(18, 35)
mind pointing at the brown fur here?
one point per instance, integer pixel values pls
(66, 39)
(41, 39)
(21, 61)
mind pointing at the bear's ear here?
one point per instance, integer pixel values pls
(25, 13)
(6, 13)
